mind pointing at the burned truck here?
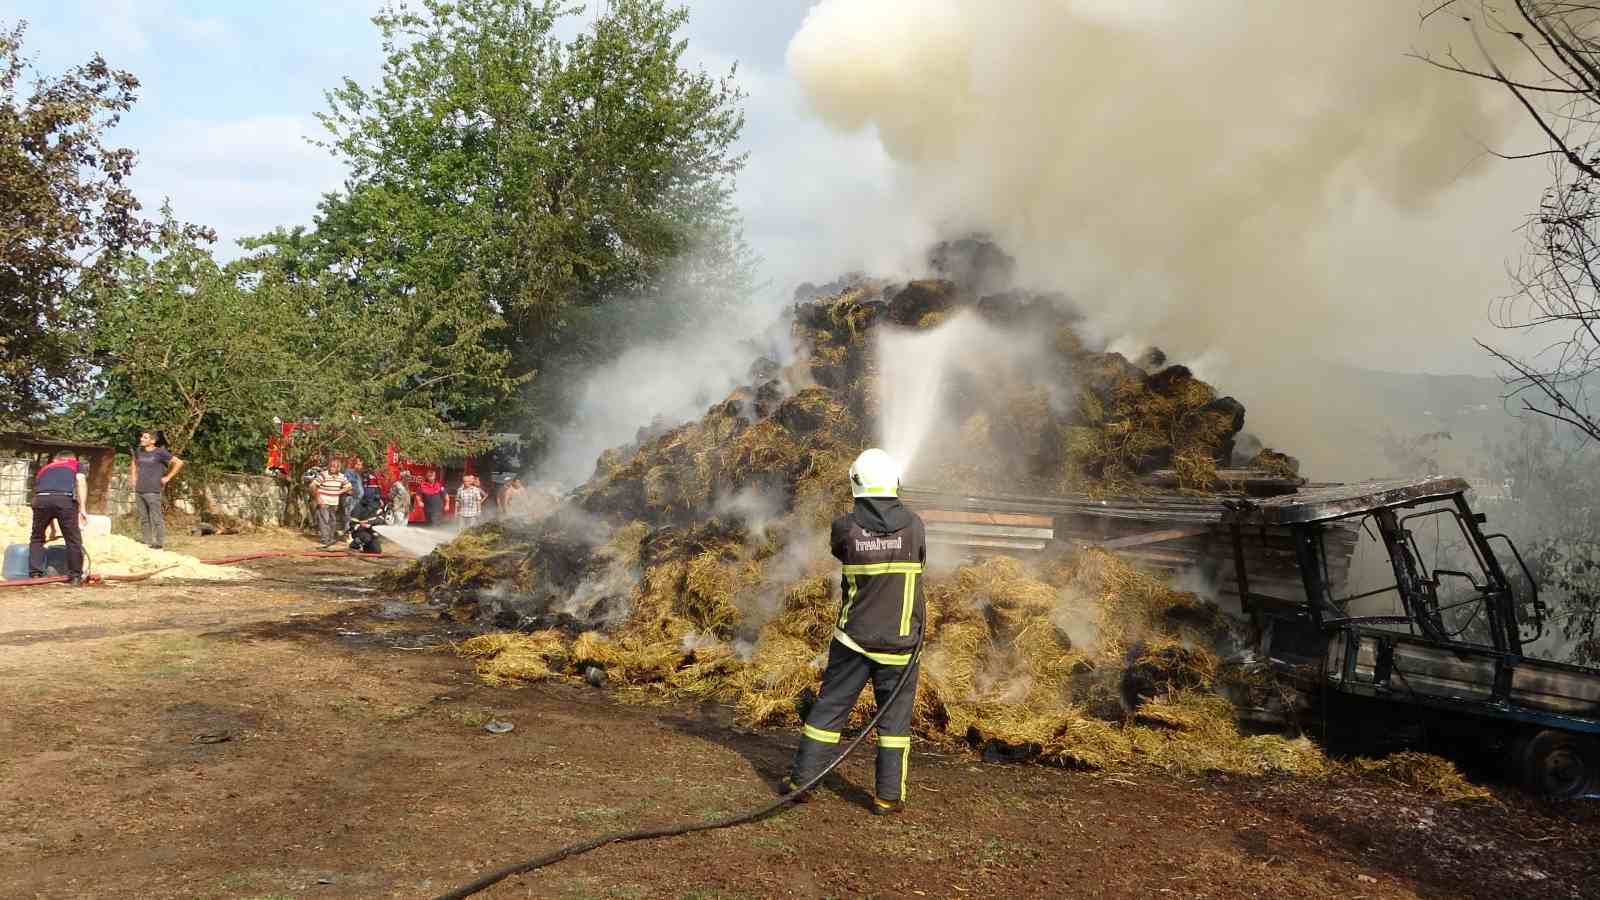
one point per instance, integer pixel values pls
(1422, 638)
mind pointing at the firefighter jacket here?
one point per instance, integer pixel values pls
(883, 547)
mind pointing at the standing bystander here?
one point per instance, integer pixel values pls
(330, 487)
(152, 467)
(358, 489)
(59, 494)
(469, 501)
(399, 502)
(433, 498)
(513, 499)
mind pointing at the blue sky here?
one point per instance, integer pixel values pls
(230, 93)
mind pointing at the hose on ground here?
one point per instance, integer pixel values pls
(224, 561)
(645, 834)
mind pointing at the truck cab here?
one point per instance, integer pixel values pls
(1431, 644)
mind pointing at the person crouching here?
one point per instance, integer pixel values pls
(59, 495)
(365, 516)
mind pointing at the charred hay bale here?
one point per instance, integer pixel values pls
(1103, 373)
(1280, 464)
(489, 555)
(1015, 308)
(975, 265)
(766, 448)
(769, 395)
(1163, 665)
(909, 305)
(809, 411)
(1129, 423)
(1223, 420)
(1099, 691)
(1173, 380)
(764, 369)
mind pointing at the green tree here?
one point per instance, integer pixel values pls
(67, 216)
(212, 354)
(530, 182)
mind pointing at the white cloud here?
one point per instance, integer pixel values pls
(118, 22)
(241, 177)
(207, 29)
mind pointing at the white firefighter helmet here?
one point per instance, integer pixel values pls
(874, 474)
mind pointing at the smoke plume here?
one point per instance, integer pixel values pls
(1244, 184)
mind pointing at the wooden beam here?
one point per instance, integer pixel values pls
(1152, 537)
(953, 528)
(984, 517)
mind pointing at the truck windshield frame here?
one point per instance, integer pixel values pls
(1481, 607)
(1462, 602)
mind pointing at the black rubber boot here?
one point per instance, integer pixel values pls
(887, 807)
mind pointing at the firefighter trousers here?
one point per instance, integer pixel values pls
(842, 681)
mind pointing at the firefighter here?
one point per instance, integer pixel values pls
(365, 516)
(883, 547)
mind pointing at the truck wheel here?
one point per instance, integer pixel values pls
(1558, 765)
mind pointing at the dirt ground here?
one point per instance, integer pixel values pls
(300, 735)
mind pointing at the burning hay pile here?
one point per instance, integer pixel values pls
(693, 564)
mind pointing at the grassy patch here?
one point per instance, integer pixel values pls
(476, 717)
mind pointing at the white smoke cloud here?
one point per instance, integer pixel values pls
(915, 412)
(671, 380)
(1248, 184)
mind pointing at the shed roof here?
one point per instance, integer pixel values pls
(1321, 504)
(21, 440)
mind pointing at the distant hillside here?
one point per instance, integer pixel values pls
(1338, 419)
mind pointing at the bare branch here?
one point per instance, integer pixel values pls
(1437, 9)
(1571, 156)
(1487, 76)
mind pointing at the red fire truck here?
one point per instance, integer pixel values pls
(502, 463)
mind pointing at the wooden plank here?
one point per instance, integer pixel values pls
(992, 543)
(1254, 482)
(1043, 534)
(986, 518)
(1153, 537)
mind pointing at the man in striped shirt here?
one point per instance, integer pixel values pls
(329, 487)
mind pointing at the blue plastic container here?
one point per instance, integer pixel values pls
(16, 564)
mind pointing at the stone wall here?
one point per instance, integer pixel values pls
(257, 499)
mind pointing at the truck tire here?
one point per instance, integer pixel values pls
(1557, 765)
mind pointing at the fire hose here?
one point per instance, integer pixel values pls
(576, 849)
(224, 561)
(646, 834)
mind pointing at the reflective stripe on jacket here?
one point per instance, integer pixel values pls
(881, 583)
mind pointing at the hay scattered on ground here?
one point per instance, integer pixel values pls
(1422, 771)
(113, 554)
(998, 674)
